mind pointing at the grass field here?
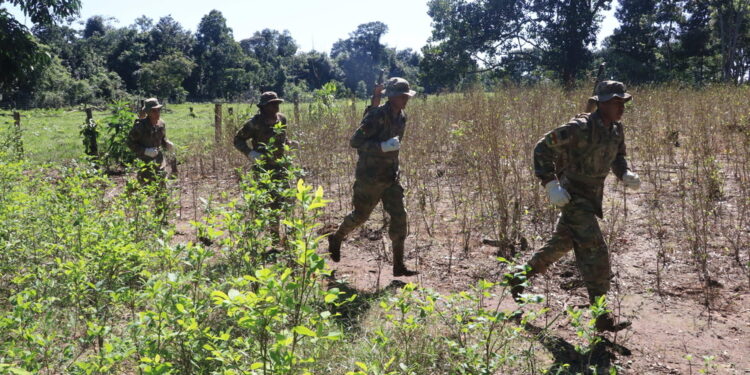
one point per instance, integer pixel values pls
(53, 135)
(91, 282)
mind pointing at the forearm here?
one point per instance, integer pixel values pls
(620, 166)
(365, 138)
(136, 146)
(365, 145)
(544, 162)
(241, 145)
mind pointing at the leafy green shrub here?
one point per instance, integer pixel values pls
(118, 127)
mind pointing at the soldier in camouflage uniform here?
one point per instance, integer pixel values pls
(378, 140)
(266, 132)
(572, 163)
(148, 140)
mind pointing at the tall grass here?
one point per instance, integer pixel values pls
(91, 283)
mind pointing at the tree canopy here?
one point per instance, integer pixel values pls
(473, 43)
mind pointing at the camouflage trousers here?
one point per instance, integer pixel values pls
(578, 229)
(152, 174)
(367, 194)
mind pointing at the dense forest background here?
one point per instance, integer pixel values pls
(63, 61)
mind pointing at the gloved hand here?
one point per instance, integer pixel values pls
(170, 146)
(631, 180)
(151, 152)
(557, 194)
(392, 144)
(254, 155)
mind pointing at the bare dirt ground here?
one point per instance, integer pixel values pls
(681, 325)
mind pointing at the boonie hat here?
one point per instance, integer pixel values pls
(397, 86)
(607, 90)
(269, 97)
(150, 104)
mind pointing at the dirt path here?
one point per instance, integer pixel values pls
(674, 332)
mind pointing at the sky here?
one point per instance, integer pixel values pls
(314, 24)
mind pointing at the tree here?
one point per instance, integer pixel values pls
(163, 78)
(20, 54)
(731, 19)
(274, 51)
(128, 54)
(94, 26)
(269, 46)
(443, 68)
(361, 55)
(696, 44)
(45, 12)
(219, 61)
(59, 38)
(565, 30)
(168, 37)
(315, 68)
(632, 48)
(495, 32)
(404, 63)
(669, 16)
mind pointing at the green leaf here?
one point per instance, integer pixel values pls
(234, 293)
(361, 365)
(302, 330)
(316, 205)
(219, 296)
(19, 371)
(256, 365)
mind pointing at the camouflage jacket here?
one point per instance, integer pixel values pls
(377, 126)
(143, 135)
(260, 135)
(581, 153)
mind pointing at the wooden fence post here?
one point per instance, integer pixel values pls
(295, 100)
(217, 123)
(17, 139)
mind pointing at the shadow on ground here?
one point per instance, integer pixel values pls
(569, 361)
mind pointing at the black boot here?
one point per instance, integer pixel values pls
(334, 248)
(399, 268)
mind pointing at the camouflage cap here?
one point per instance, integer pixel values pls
(269, 97)
(607, 90)
(397, 86)
(150, 104)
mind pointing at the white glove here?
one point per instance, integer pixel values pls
(557, 194)
(151, 152)
(254, 155)
(392, 144)
(631, 180)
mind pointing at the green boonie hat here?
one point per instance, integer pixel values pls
(150, 104)
(607, 90)
(269, 97)
(397, 86)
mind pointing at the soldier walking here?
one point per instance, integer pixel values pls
(266, 132)
(378, 140)
(148, 140)
(572, 163)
